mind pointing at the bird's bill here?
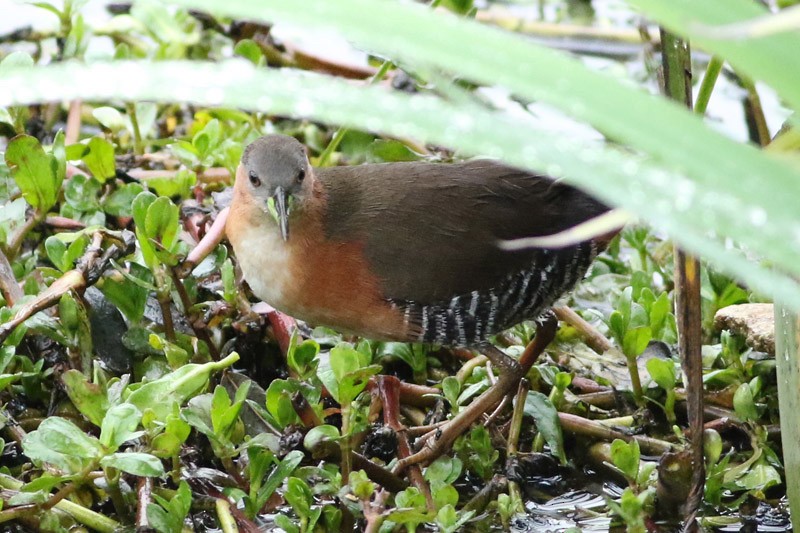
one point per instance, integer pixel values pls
(278, 207)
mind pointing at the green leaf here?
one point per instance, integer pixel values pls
(59, 155)
(168, 516)
(444, 469)
(625, 456)
(81, 193)
(35, 172)
(161, 221)
(207, 139)
(361, 486)
(319, 434)
(248, 49)
(451, 388)
(538, 406)
(410, 497)
(140, 207)
(712, 445)
(179, 185)
(663, 372)
(91, 399)
(279, 401)
(617, 325)
(299, 496)
(444, 494)
(345, 360)
(224, 413)
(63, 256)
(128, 296)
(176, 387)
(161, 24)
(56, 252)
(460, 7)
(109, 117)
(229, 293)
(636, 340)
(63, 444)
(562, 380)
(285, 524)
(391, 151)
(451, 521)
(16, 59)
(658, 311)
(137, 464)
(301, 356)
(99, 159)
(141, 204)
(760, 476)
(168, 443)
(119, 202)
(6, 355)
(414, 355)
(476, 451)
(119, 425)
(744, 403)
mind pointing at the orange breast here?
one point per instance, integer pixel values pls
(335, 287)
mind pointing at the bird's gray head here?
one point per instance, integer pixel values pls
(278, 176)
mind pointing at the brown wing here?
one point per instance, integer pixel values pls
(430, 231)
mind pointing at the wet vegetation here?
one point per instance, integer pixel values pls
(142, 386)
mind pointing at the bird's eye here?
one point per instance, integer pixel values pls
(254, 179)
(301, 175)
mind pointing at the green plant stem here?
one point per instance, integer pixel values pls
(677, 62)
(114, 492)
(199, 331)
(669, 406)
(636, 381)
(516, 418)
(513, 441)
(346, 443)
(341, 132)
(83, 515)
(787, 349)
(707, 85)
(17, 512)
(556, 396)
(138, 147)
(226, 520)
(538, 443)
(19, 237)
(754, 113)
(164, 300)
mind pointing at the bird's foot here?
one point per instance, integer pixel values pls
(511, 372)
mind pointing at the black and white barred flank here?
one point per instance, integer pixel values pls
(469, 319)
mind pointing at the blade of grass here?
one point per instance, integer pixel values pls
(686, 209)
(732, 186)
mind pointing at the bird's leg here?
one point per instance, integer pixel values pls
(388, 388)
(511, 372)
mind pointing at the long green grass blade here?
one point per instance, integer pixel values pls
(732, 186)
(649, 190)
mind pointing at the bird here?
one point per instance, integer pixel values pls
(408, 251)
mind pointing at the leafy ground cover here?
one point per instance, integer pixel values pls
(139, 390)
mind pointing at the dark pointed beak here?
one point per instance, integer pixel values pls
(281, 206)
(278, 206)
